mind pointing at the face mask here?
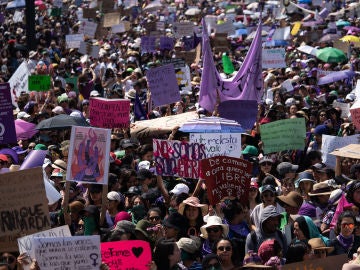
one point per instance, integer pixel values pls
(175, 110)
(89, 225)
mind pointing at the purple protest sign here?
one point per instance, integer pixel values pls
(166, 43)
(163, 85)
(148, 44)
(242, 111)
(7, 125)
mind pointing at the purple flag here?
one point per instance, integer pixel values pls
(247, 84)
(7, 124)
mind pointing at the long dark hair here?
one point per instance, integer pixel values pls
(346, 214)
(199, 221)
(163, 249)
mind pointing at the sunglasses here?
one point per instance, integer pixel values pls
(215, 230)
(350, 226)
(155, 218)
(8, 259)
(227, 248)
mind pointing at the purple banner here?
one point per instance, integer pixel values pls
(163, 85)
(242, 111)
(7, 124)
(166, 43)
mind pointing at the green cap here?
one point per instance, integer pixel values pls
(40, 147)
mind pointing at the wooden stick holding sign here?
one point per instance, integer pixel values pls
(103, 204)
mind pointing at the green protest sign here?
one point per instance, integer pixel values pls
(39, 83)
(73, 80)
(288, 134)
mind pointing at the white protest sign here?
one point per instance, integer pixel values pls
(88, 28)
(183, 29)
(19, 82)
(330, 143)
(25, 243)
(73, 41)
(118, 28)
(226, 27)
(210, 21)
(130, 3)
(18, 16)
(219, 144)
(91, 50)
(357, 90)
(183, 78)
(355, 114)
(282, 33)
(273, 58)
(345, 108)
(75, 253)
(287, 85)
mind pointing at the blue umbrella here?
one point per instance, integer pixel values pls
(336, 76)
(212, 124)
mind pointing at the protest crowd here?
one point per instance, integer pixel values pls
(180, 135)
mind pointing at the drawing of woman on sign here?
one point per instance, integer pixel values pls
(87, 157)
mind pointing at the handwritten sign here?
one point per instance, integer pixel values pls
(163, 85)
(219, 144)
(355, 114)
(88, 28)
(39, 83)
(89, 155)
(20, 211)
(73, 41)
(109, 113)
(77, 253)
(91, 50)
(273, 58)
(7, 125)
(111, 19)
(226, 177)
(132, 254)
(118, 28)
(345, 108)
(330, 143)
(330, 262)
(288, 134)
(183, 29)
(178, 158)
(26, 245)
(226, 27)
(148, 44)
(19, 82)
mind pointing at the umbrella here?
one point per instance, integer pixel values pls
(24, 130)
(336, 76)
(211, 124)
(329, 37)
(16, 4)
(350, 38)
(307, 49)
(352, 28)
(331, 55)
(342, 23)
(192, 11)
(156, 5)
(61, 121)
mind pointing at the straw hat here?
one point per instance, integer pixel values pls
(293, 199)
(318, 244)
(320, 189)
(195, 202)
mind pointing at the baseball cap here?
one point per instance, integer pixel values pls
(94, 93)
(250, 150)
(21, 115)
(114, 196)
(286, 167)
(180, 188)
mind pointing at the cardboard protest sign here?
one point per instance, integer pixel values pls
(7, 125)
(76, 253)
(89, 13)
(89, 155)
(226, 177)
(219, 144)
(73, 41)
(177, 158)
(355, 114)
(132, 254)
(288, 134)
(330, 143)
(19, 82)
(26, 245)
(330, 262)
(188, 56)
(183, 29)
(109, 113)
(349, 151)
(111, 19)
(21, 212)
(242, 111)
(39, 83)
(273, 58)
(162, 125)
(89, 49)
(163, 85)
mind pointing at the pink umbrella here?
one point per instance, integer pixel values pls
(24, 130)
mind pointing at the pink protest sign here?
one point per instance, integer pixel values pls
(109, 113)
(122, 255)
(178, 158)
(88, 159)
(355, 114)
